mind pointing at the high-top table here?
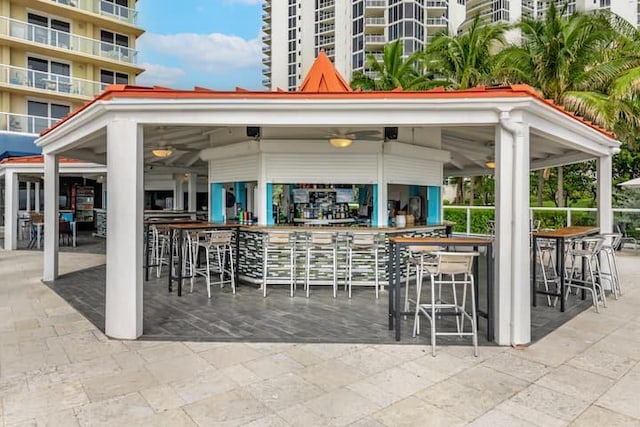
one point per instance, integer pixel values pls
(194, 226)
(395, 246)
(161, 222)
(560, 235)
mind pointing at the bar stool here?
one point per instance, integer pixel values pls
(545, 250)
(588, 250)
(362, 244)
(218, 248)
(321, 244)
(454, 268)
(420, 257)
(279, 244)
(611, 241)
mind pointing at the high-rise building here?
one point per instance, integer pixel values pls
(55, 55)
(294, 31)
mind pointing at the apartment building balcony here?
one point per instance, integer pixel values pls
(323, 40)
(266, 17)
(326, 3)
(30, 35)
(266, 83)
(22, 123)
(266, 38)
(38, 82)
(375, 22)
(327, 15)
(266, 6)
(437, 4)
(437, 22)
(377, 55)
(330, 28)
(266, 49)
(103, 8)
(371, 39)
(266, 28)
(375, 4)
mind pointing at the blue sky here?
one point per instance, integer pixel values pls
(209, 43)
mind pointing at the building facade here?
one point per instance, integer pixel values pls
(55, 55)
(294, 31)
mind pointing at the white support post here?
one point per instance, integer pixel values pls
(192, 191)
(37, 200)
(512, 285)
(28, 196)
(51, 197)
(605, 213)
(10, 211)
(178, 196)
(123, 302)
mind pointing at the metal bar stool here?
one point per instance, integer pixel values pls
(362, 244)
(218, 249)
(611, 241)
(420, 257)
(588, 250)
(455, 269)
(321, 244)
(281, 246)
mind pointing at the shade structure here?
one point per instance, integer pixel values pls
(632, 183)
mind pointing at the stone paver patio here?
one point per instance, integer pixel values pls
(57, 369)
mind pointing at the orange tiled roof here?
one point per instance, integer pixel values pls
(323, 77)
(33, 160)
(324, 82)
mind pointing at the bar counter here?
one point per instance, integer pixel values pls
(251, 248)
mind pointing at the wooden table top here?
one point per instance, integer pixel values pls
(567, 232)
(443, 240)
(167, 221)
(203, 226)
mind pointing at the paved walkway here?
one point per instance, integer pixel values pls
(57, 369)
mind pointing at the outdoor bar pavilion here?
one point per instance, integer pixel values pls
(439, 133)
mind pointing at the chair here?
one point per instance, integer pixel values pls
(455, 269)
(65, 232)
(588, 250)
(362, 244)
(218, 250)
(278, 245)
(36, 218)
(321, 244)
(420, 257)
(611, 241)
(621, 228)
(545, 251)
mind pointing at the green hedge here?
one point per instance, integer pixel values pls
(479, 218)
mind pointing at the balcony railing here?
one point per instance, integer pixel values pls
(18, 76)
(324, 16)
(62, 40)
(23, 123)
(326, 28)
(105, 8)
(326, 3)
(374, 39)
(436, 3)
(437, 21)
(375, 3)
(375, 21)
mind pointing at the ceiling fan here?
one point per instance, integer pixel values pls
(341, 138)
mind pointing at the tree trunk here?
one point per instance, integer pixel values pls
(560, 192)
(471, 192)
(459, 191)
(540, 186)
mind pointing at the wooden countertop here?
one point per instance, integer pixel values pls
(567, 232)
(442, 240)
(350, 229)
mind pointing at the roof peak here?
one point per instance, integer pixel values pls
(324, 78)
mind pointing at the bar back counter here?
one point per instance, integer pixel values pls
(251, 253)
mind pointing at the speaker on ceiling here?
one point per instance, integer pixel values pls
(390, 133)
(253, 131)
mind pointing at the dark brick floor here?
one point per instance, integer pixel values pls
(247, 316)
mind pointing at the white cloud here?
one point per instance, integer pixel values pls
(215, 53)
(159, 75)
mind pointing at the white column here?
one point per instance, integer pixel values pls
(51, 197)
(123, 302)
(192, 190)
(178, 197)
(37, 200)
(605, 213)
(260, 208)
(28, 196)
(512, 265)
(10, 211)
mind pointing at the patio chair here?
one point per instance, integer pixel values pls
(65, 232)
(621, 228)
(455, 269)
(588, 250)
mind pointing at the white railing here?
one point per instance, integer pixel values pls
(63, 40)
(374, 39)
(18, 76)
(22, 123)
(567, 216)
(437, 21)
(375, 3)
(442, 4)
(375, 21)
(326, 28)
(103, 7)
(326, 3)
(324, 16)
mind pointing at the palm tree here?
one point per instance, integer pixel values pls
(466, 60)
(394, 71)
